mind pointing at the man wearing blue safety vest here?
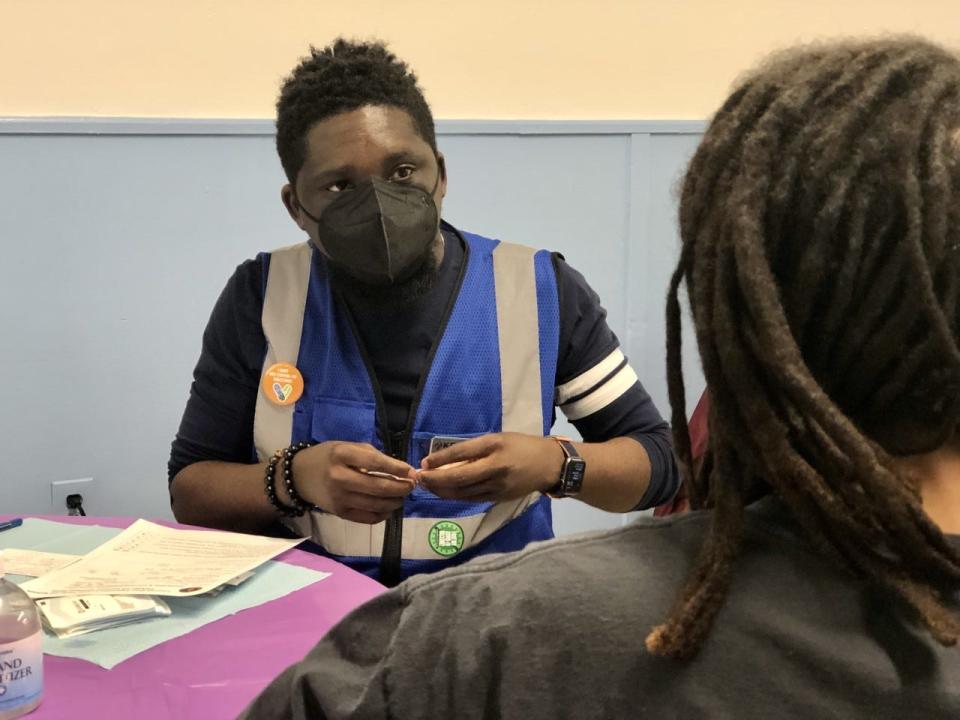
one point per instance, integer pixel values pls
(388, 388)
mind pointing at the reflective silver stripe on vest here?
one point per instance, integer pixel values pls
(342, 537)
(519, 341)
(518, 325)
(284, 302)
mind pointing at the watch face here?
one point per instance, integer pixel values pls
(573, 477)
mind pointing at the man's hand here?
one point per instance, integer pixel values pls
(496, 467)
(331, 475)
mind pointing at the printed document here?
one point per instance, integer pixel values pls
(150, 559)
(34, 563)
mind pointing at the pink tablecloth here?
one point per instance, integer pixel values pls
(217, 669)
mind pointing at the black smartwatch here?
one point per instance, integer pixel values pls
(571, 474)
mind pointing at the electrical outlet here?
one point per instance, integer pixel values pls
(87, 487)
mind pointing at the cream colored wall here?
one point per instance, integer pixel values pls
(553, 59)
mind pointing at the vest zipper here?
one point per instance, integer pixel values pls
(390, 566)
(397, 444)
(447, 312)
(393, 532)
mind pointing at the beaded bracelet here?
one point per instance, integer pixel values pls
(271, 490)
(299, 503)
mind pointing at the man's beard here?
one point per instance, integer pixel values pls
(396, 294)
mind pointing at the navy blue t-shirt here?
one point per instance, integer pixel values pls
(595, 386)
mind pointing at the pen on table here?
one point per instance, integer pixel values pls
(10, 524)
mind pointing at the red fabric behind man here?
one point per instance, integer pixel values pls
(697, 427)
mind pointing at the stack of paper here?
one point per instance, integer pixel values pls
(34, 563)
(78, 615)
(117, 583)
(271, 581)
(150, 559)
(236, 582)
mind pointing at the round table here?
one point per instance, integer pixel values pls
(214, 671)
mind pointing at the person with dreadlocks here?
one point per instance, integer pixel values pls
(388, 387)
(819, 575)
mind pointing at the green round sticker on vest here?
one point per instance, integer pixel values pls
(446, 538)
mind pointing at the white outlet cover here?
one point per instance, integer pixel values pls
(59, 489)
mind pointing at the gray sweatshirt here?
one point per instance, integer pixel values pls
(557, 631)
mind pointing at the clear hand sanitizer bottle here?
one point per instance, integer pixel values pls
(21, 652)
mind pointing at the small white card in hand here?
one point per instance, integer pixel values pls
(76, 615)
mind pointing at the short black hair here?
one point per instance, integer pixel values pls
(341, 77)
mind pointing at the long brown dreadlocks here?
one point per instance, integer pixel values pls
(820, 220)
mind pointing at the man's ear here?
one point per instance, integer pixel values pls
(442, 168)
(289, 198)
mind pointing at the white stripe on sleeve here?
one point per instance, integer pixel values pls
(583, 383)
(602, 396)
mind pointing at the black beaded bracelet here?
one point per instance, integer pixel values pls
(299, 503)
(271, 490)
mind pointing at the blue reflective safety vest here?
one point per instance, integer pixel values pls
(492, 369)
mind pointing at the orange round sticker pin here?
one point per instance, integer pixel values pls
(282, 383)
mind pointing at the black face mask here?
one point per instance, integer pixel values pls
(380, 232)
